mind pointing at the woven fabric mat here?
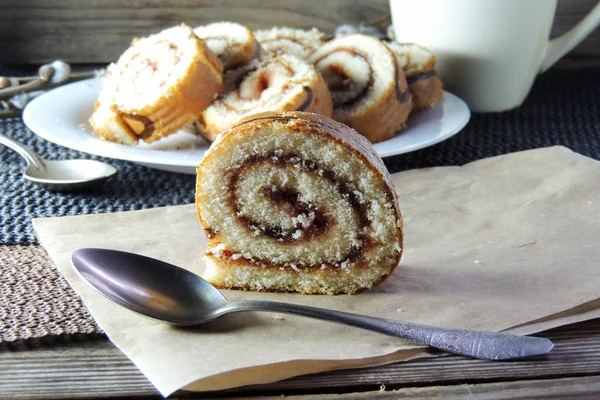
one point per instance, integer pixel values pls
(562, 109)
(35, 299)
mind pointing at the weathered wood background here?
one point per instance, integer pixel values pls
(97, 31)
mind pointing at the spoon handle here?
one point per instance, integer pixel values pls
(25, 152)
(477, 344)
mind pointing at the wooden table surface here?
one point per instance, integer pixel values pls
(91, 367)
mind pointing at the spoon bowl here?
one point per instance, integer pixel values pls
(170, 294)
(69, 174)
(63, 175)
(164, 291)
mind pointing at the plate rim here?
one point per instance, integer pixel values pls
(179, 158)
(459, 127)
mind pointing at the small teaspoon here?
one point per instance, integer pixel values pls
(61, 175)
(172, 294)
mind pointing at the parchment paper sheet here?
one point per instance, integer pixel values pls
(510, 241)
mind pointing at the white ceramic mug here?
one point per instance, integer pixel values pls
(488, 51)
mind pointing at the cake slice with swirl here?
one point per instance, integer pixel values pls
(368, 88)
(233, 43)
(270, 83)
(159, 85)
(296, 202)
(282, 40)
(418, 64)
(105, 121)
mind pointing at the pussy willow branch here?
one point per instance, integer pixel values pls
(37, 83)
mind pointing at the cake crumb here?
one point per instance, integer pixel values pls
(304, 220)
(346, 266)
(218, 250)
(397, 247)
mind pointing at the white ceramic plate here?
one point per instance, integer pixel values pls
(61, 116)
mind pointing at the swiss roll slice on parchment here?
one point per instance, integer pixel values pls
(297, 202)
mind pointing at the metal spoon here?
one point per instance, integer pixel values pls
(172, 294)
(60, 175)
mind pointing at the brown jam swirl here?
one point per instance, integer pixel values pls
(420, 76)
(143, 126)
(290, 201)
(309, 99)
(236, 77)
(343, 83)
(401, 95)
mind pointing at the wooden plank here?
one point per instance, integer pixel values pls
(46, 369)
(95, 368)
(579, 388)
(96, 32)
(37, 31)
(577, 352)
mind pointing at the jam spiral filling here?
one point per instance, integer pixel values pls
(298, 42)
(233, 43)
(418, 65)
(410, 79)
(368, 88)
(293, 217)
(350, 77)
(281, 82)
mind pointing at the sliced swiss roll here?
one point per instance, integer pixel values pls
(109, 125)
(162, 83)
(233, 43)
(282, 40)
(106, 122)
(297, 202)
(418, 64)
(368, 88)
(271, 83)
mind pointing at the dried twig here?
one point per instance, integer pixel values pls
(49, 76)
(16, 92)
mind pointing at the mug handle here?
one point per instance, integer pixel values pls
(563, 44)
